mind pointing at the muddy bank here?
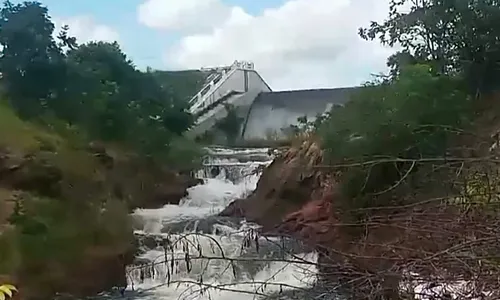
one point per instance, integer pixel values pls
(287, 184)
(294, 198)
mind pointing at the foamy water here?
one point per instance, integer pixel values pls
(222, 261)
(232, 266)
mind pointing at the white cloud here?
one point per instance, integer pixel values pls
(301, 44)
(182, 15)
(86, 29)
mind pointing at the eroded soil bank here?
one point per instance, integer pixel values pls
(298, 197)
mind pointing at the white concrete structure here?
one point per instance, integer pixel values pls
(266, 114)
(238, 78)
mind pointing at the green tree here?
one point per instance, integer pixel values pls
(415, 116)
(231, 124)
(119, 102)
(30, 60)
(65, 40)
(94, 86)
(100, 85)
(452, 36)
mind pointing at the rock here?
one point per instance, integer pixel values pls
(170, 192)
(138, 261)
(235, 209)
(149, 242)
(289, 182)
(166, 194)
(205, 225)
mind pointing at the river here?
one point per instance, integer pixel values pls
(187, 252)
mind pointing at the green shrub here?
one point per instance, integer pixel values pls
(417, 115)
(184, 154)
(52, 231)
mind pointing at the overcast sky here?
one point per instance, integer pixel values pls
(294, 44)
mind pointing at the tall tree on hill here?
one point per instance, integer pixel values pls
(28, 55)
(101, 86)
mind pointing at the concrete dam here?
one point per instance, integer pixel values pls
(264, 114)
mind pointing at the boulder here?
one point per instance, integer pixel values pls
(170, 191)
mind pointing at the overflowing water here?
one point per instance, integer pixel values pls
(188, 252)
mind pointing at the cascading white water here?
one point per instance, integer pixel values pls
(227, 269)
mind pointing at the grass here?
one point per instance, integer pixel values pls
(56, 235)
(185, 83)
(21, 137)
(6, 205)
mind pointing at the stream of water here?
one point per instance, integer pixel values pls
(235, 262)
(188, 252)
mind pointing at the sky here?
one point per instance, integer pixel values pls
(294, 44)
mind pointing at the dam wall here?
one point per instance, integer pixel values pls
(272, 113)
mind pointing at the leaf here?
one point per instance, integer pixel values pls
(6, 289)
(8, 286)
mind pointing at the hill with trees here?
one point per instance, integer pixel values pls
(85, 136)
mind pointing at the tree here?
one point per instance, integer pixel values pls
(452, 36)
(231, 124)
(101, 85)
(415, 116)
(94, 86)
(66, 41)
(28, 56)
(118, 102)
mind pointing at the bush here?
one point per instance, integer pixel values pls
(415, 116)
(184, 154)
(51, 233)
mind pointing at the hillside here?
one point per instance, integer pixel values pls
(185, 83)
(85, 138)
(52, 188)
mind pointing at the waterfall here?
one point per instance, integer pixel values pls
(188, 252)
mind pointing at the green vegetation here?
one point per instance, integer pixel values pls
(181, 83)
(6, 291)
(380, 139)
(230, 125)
(226, 131)
(93, 86)
(84, 136)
